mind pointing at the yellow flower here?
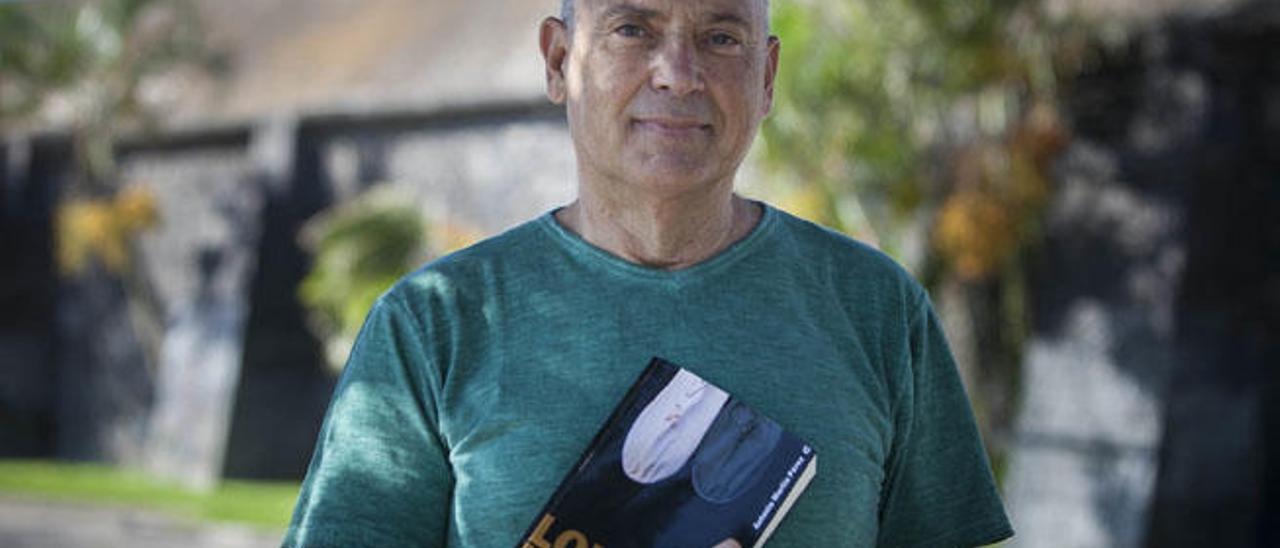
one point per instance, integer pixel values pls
(975, 233)
(102, 229)
(135, 209)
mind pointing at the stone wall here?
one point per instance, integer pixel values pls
(198, 264)
(1220, 424)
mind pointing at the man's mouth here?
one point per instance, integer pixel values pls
(673, 127)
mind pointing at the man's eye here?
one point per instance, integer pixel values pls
(630, 30)
(722, 39)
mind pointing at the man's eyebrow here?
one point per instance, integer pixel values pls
(629, 11)
(730, 18)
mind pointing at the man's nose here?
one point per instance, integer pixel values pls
(676, 68)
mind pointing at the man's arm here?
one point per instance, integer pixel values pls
(380, 475)
(939, 489)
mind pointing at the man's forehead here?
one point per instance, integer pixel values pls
(746, 10)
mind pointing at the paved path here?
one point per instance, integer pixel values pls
(30, 523)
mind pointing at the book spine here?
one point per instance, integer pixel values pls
(793, 484)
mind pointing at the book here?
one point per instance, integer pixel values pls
(679, 463)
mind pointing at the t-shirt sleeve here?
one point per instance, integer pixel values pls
(939, 490)
(379, 475)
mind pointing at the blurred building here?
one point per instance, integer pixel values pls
(314, 102)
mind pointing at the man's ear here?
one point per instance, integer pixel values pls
(553, 38)
(771, 71)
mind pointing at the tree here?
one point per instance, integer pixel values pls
(360, 248)
(81, 67)
(929, 129)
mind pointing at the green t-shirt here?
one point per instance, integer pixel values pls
(478, 380)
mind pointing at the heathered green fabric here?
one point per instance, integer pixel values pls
(479, 379)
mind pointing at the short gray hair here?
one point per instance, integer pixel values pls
(566, 14)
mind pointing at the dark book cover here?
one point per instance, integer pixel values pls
(679, 463)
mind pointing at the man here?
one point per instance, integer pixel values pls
(479, 379)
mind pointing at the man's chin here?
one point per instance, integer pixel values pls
(673, 175)
(672, 159)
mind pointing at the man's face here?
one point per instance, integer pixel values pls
(666, 94)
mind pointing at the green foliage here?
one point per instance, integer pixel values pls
(360, 249)
(872, 97)
(842, 122)
(260, 504)
(48, 46)
(81, 65)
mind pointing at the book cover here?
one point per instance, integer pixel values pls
(679, 463)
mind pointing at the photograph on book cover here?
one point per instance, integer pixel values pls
(680, 463)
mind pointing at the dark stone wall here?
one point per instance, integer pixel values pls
(103, 388)
(284, 385)
(1218, 446)
(1162, 262)
(27, 289)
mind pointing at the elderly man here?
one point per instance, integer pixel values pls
(479, 379)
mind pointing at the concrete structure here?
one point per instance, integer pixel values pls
(318, 100)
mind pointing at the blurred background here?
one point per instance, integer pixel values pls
(200, 199)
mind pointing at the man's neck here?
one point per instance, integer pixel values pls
(665, 234)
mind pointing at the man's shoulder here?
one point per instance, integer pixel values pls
(475, 264)
(840, 256)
